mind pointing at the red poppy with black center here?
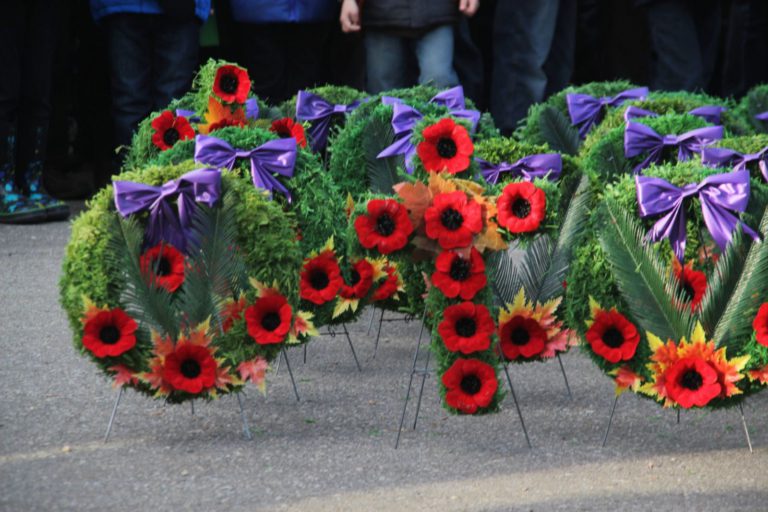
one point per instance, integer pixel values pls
(190, 368)
(389, 287)
(470, 384)
(446, 147)
(466, 328)
(170, 129)
(232, 84)
(613, 337)
(453, 220)
(360, 281)
(163, 264)
(691, 381)
(110, 333)
(386, 227)
(521, 207)
(760, 325)
(287, 128)
(693, 283)
(457, 276)
(269, 319)
(321, 278)
(521, 338)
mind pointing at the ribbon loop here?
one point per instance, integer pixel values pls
(586, 111)
(166, 224)
(724, 157)
(548, 165)
(315, 109)
(710, 113)
(640, 139)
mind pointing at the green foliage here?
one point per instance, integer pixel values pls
(557, 130)
(753, 103)
(382, 172)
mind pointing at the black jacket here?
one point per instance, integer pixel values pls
(409, 14)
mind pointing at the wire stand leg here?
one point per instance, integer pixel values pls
(370, 322)
(746, 430)
(678, 416)
(114, 412)
(517, 406)
(305, 353)
(610, 420)
(192, 407)
(290, 372)
(277, 366)
(246, 430)
(424, 374)
(378, 335)
(351, 346)
(565, 377)
(410, 383)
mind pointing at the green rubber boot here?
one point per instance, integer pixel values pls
(15, 207)
(32, 179)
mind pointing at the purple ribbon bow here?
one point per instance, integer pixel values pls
(548, 165)
(723, 157)
(719, 194)
(762, 116)
(640, 139)
(273, 157)
(313, 108)
(405, 118)
(710, 113)
(586, 110)
(165, 224)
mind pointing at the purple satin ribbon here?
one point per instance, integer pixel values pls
(762, 116)
(710, 113)
(252, 108)
(405, 118)
(549, 165)
(719, 194)
(640, 139)
(273, 157)
(313, 108)
(723, 157)
(167, 224)
(188, 114)
(586, 110)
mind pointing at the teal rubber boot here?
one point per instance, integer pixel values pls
(15, 207)
(32, 179)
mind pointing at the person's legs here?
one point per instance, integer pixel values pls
(677, 55)
(707, 14)
(559, 65)
(434, 51)
(174, 58)
(262, 53)
(130, 51)
(523, 32)
(384, 61)
(12, 25)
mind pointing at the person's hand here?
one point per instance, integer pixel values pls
(468, 7)
(350, 16)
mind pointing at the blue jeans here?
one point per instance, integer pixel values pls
(533, 55)
(386, 59)
(153, 59)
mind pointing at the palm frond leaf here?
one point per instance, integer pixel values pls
(382, 172)
(558, 132)
(652, 292)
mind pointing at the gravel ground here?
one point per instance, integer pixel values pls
(333, 450)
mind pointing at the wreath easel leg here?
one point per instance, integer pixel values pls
(414, 371)
(517, 405)
(610, 420)
(246, 430)
(114, 412)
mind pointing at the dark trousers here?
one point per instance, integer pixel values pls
(684, 39)
(745, 61)
(282, 58)
(153, 59)
(27, 46)
(532, 56)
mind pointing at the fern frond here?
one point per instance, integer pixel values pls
(649, 289)
(735, 323)
(723, 281)
(382, 172)
(558, 132)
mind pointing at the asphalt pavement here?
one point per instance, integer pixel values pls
(334, 450)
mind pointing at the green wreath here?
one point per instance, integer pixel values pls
(753, 103)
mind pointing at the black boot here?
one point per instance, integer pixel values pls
(15, 208)
(32, 176)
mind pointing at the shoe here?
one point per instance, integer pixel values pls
(32, 179)
(15, 207)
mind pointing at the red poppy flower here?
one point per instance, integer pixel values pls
(386, 227)
(453, 220)
(164, 265)
(269, 319)
(446, 147)
(470, 384)
(458, 276)
(320, 278)
(232, 84)
(389, 287)
(691, 381)
(760, 325)
(109, 333)
(169, 130)
(361, 280)
(613, 337)
(692, 282)
(190, 368)
(521, 337)
(286, 128)
(521, 207)
(466, 328)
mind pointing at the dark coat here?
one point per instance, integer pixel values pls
(284, 11)
(409, 14)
